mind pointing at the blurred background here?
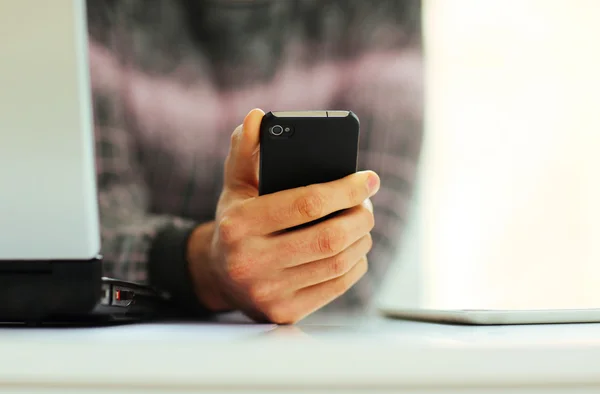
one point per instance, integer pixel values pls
(505, 91)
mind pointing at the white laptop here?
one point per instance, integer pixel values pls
(50, 265)
(506, 222)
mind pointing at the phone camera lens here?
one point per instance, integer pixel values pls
(276, 130)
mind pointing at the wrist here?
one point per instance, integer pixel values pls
(199, 256)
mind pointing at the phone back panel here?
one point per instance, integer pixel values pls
(321, 146)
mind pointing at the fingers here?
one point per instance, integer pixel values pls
(273, 254)
(289, 208)
(241, 166)
(323, 240)
(310, 299)
(310, 274)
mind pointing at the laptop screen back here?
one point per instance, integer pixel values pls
(48, 200)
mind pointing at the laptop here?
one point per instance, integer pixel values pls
(505, 223)
(50, 263)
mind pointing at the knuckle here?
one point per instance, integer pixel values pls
(310, 206)
(345, 282)
(231, 225)
(330, 241)
(238, 266)
(339, 265)
(281, 315)
(237, 272)
(228, 228)
(259, 293)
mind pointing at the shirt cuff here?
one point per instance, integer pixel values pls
(168, 269)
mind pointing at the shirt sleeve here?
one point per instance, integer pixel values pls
(137, 245)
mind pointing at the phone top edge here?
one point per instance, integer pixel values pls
(338, 114)
(311, 114)
(300, 114)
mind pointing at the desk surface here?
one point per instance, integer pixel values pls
(371, 353)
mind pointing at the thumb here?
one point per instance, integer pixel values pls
(241, 167)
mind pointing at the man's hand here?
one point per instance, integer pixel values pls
(244, 260)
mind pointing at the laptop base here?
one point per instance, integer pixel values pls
(495, 317)
(34, 291)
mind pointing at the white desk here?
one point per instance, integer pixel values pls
(372, 355)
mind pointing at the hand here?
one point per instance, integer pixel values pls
(245, 260)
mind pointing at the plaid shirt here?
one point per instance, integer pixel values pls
(171, 80)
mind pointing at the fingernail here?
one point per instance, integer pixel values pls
(373, 184)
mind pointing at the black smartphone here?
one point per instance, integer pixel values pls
(300, 148)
